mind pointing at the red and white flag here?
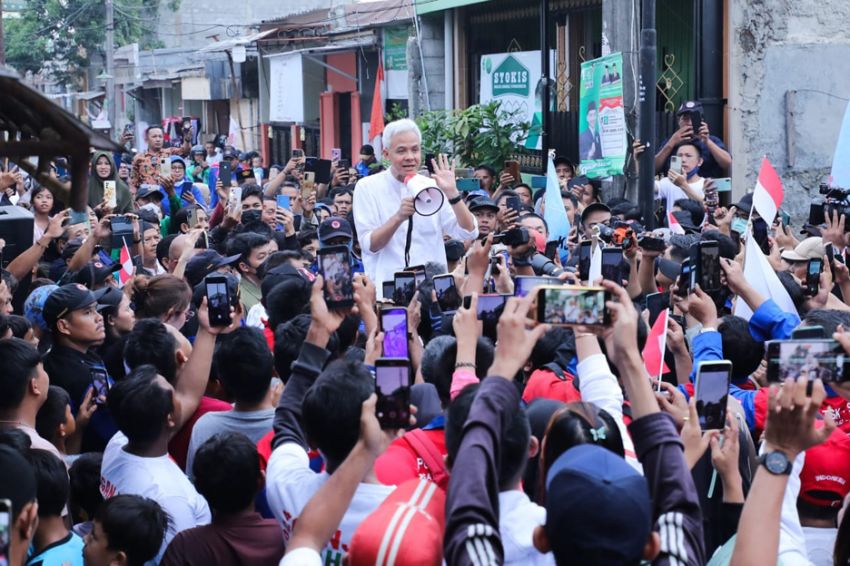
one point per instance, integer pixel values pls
(127, 268)
(768, 195)
(763, 278)
(674, 225)
(656, 343)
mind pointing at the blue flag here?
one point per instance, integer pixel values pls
(554, 212)
(840, 175)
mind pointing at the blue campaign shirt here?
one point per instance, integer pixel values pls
(68, 551)
(770, 322)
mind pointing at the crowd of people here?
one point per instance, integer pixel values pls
(178, 388)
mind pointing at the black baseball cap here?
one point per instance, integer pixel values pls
(148, 191)
(483, 202)
(67, 298)
(206, 262)
(335, 227)
(95, 272)
(108, 297)
(690, 106)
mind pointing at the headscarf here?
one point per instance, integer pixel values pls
(122, 191)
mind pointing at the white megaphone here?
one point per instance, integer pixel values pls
(428, 199)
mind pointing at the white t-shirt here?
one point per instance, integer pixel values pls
(376, 199)
(820, 544)
(518, 517)
(156, 478)
(671, 193)
(290, 483)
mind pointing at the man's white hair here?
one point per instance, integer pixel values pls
(399, 127)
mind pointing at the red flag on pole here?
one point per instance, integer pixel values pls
(768, 195)
(656, 343)
(674, 225)
(376, 121)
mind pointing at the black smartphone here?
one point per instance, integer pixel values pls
(813, 358)
(392, 384)
(297, 153)
(448, 296)
(612, 265)
(218, 300)
(513, 203)
(388, 290)
(584, 251)
(817, 216)
(225, 173)
(656, 303)
(683, 285)
(122, 232)
(652, 244)
(830, 256)
(808, 333)
(429, 162)
(100, 385)
(335, 267)
(813, 272)
(490, 306)
(705, 265)
(564, 306)
(525, 284)
(712, 392)
(394, 326)
(696, 122)
(404, 283)
(419, 272)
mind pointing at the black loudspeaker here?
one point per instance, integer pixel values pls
(16, 228)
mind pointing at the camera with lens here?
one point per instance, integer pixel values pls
(621, 234)
(513, 237)
(837, 203)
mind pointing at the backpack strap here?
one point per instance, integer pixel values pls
(425, 449)
(562, 374)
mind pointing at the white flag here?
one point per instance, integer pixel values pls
(760, 274)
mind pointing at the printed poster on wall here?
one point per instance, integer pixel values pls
(395, 61)
(512, 79)
(286, 93)
(602, 141)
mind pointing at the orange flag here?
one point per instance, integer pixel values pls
(376, 121)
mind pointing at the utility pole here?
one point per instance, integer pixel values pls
(646, 177)
(110, 66)
(2, 41)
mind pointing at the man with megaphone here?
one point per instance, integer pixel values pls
(401, 215)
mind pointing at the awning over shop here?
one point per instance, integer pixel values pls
(428, 6)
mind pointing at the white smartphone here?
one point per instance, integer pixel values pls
(235, 199)
(165, 167)
(676, 164)
(109, 194)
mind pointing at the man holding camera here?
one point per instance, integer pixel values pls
(716, 158)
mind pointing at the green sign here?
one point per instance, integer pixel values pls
(602, 122)
(511, 77)
(395, 48)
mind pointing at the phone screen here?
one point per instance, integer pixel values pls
(813, 276)
(710, 266)
(712, 389)
(612, 260)
(218, 301)
(447, 295)
(655, 304)
(523, 285)
(419, 273)
(490, 307)
(297, 153)
(392, 382)
(335, 267)
(684, 283)
(824, 359)
(100, 384)
(584, 260)
(405, 287)
(388, 290)
(570, 305)
(394, 326)
(5, 529)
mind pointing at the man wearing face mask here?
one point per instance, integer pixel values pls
(717, 160)
(253, 250)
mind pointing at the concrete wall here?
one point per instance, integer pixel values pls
(194, 22)
(433, 60)
(788, 88)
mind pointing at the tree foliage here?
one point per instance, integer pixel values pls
(63, 36)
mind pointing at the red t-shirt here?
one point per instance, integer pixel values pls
(544, 383)
(400, 462)
(178, 448)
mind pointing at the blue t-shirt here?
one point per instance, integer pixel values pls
(69, 551)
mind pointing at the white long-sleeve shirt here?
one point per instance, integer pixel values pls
(376, 199)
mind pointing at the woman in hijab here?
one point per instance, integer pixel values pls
(103, 169)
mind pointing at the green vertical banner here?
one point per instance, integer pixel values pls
(602, 143)
(395, 61)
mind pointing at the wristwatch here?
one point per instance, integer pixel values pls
(776, 462)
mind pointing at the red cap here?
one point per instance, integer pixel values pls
(825, 478)
(406, 529)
